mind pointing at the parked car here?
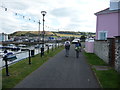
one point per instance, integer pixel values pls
(75, 41)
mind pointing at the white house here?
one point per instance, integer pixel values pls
(3, 37)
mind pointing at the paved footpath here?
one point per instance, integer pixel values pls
(62, 72)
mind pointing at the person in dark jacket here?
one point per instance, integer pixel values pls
(78, 48)
(67, 47)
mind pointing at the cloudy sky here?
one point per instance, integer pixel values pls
(62, 15)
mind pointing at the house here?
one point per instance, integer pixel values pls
(3, 37)
(107, 40)
(108, 22)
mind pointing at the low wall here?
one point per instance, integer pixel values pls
(109, 51)
(101, 49)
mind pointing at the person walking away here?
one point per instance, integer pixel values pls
(77, 48)
(67, 47)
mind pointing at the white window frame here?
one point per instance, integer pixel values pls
(99, 37)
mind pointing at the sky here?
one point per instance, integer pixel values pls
(62, 15)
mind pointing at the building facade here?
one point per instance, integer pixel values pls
(3, 37)
(107, 43)
(108, 22)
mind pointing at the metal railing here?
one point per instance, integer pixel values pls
(30, 54)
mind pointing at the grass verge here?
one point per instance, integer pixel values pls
(22, 69)
(108, 78)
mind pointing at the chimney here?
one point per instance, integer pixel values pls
(114, 4)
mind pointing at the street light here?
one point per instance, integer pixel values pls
(39, 36)
(42, 48)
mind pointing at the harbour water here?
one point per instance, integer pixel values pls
(21, 55)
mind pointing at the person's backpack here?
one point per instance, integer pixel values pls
(77, 45)
(67, 45)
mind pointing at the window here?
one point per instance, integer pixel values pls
(102, 35)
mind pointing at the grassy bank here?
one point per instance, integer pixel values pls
(108, 78)
(22, 69)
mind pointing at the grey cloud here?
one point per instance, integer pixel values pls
(17, 5)
(63, 12)
(8, 25)
(8, 29)
(78, 20)
(73, 25)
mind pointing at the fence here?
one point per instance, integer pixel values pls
(30, 54)
(109, 51)
(101, 49)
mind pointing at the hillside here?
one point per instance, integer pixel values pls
(50, 33)
(30, 33)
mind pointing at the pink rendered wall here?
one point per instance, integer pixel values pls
(108, 22)
(89, 47)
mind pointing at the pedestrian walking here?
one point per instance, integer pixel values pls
(78, 48)
(67, 47)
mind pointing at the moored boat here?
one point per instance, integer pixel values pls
(10, 56)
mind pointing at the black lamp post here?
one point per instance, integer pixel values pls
(39, 36)
(42, 48)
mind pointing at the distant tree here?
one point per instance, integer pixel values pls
(83, 38)
(22, 35)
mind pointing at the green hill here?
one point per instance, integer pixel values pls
(50, 33)
(30, 33)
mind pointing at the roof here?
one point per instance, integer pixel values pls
(107, 11)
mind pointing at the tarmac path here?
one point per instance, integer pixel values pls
(62, 72)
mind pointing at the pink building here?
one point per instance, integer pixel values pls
(89, 45)
(108, 22)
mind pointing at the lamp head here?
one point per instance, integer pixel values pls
(43, 13)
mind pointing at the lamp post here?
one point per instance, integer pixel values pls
(39, 36)
(42, 48)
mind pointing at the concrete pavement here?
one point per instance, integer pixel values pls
(62, 72)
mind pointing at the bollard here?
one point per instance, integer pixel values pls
(6, 65)
(42, 51)
(32, 53)
(55, 46)
(52, 47)
(29, 58)
(48, 49)
(58, 45)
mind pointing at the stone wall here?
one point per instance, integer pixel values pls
(101, 49)
(117, 53)
(109, 51)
